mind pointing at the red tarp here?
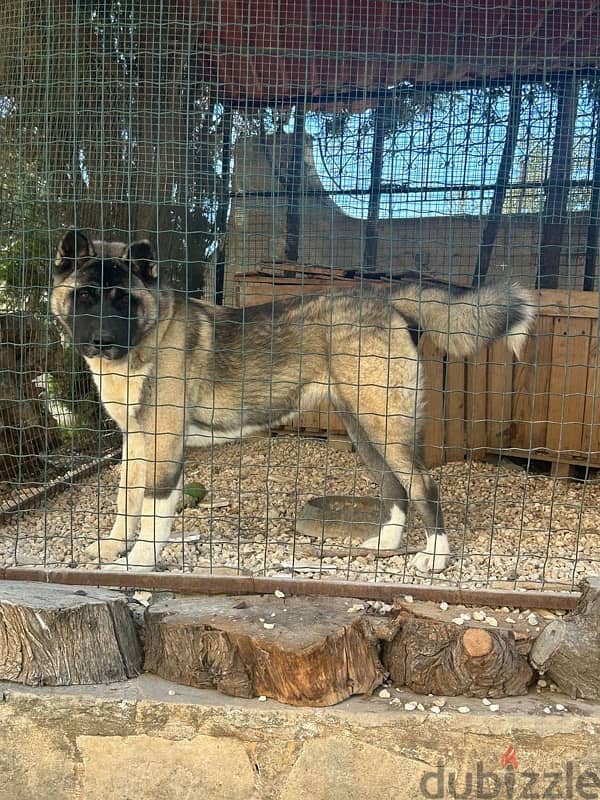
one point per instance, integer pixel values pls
(265, 50)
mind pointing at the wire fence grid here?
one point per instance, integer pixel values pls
(287, 150)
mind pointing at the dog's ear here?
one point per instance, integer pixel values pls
(143, 260)
(74, 247)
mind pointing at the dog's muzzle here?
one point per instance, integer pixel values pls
(103, 347)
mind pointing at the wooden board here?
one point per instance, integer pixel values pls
(454, 402)
(476, 406)
(499, 386)
(568, 383)
(316, 653)
(590, 439)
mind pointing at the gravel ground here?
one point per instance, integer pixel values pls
(507, 528)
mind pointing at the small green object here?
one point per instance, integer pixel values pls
(195, 490)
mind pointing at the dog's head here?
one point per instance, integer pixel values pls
(104, 293)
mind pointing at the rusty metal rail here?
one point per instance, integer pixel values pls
(225, 584)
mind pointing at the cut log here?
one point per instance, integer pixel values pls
(301, 651)
(65, 635)
(433, 655)
(568, 649)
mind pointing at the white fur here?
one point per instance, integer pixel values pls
(391, 534)
(436, 557)
(518, 335)
(155, 529)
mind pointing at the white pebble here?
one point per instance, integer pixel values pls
(466, 617)
(463, 709)
(262, 698)
(355, 609)
(479, 615)
(486, 702)
(458, 621)
(420, 707)
(444, 605)
(510, 620)
(542, 683)
(435, 709)
(261, 619)
(385, 694)
(494, 707)
(547, 710)
(492, 621)
(395, 701)
(171, 692)
(560, 707)
(143, 598)
(532, 619)
(409, 598)
(269, 625)
(410, 706)
(279, 593)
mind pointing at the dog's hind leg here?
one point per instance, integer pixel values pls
(403, 464)
(393, 493)
(424, 493)
(375, 376)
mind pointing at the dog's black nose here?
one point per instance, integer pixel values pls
(101, 344)
(103, 340)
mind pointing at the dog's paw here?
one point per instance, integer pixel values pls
(108, 549)
(430, 562)
(122, 565)
(381, 543)
(391, 533)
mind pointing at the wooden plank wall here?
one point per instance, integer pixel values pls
(545, 406)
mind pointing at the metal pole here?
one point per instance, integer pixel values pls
(557, 193)
(494, 216)
(223, 208)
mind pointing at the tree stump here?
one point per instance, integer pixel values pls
(433, 655)
(568, 649)
(62, 636)
(28, 347)
(301, 651)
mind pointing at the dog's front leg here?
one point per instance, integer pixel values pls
(164, 477)
(129, 502)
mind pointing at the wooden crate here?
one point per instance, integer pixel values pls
(544, 406)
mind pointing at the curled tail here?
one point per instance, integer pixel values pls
(459, 320)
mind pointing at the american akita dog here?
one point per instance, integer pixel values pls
(172, 371)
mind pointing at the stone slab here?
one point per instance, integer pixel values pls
(148, 738)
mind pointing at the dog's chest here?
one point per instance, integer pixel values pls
(120, 389)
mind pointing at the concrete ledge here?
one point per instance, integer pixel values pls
(148, 739)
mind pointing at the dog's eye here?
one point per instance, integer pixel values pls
(83, 296)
